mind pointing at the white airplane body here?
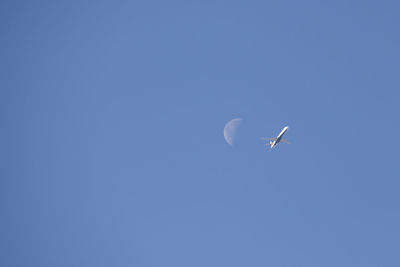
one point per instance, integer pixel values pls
(274, 141)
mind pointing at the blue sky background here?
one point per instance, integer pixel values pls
(112, 148)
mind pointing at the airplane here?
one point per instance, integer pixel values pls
(276, 140)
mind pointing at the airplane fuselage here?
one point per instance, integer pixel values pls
(278, 139)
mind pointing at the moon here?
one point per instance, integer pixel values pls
(230, 130)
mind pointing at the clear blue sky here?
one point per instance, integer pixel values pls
(112, 148)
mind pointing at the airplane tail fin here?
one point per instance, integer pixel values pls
(269, 144)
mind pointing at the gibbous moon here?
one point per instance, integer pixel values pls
(230, 130)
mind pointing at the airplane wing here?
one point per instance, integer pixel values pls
(271, 139)
(285, 141)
